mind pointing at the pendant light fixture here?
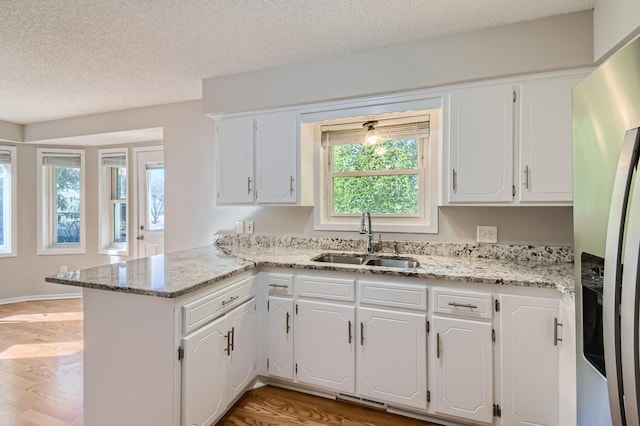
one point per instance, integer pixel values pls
(372, 136)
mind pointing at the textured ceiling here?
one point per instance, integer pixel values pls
(66, 58)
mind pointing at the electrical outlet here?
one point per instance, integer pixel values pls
(487, 234)
(239, 227)
(248, 226)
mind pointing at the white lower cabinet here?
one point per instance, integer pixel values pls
(392, 357)
(280, 347)
(463, 368)
(324, 345)
(529, 360)
(219, 361)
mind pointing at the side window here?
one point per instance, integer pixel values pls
(8, 206)
(61, 201)
(113, 192)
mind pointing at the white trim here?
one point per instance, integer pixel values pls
(105, 205)
(428, 174)
(44, 231)
(134, 191)
(20, 299)
(13, 214)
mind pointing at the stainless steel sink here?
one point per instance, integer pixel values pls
(392, 263)
(340, 258)
(355, 259)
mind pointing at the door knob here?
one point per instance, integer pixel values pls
(141, 237)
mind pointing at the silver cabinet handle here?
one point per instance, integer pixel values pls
(361, 334)
(454, 177)
(290, 185)
(462, 305)
(226, 302)
(525, 177)
(228, 348)
(287, 323)
(349, 332)
(282, 286)
(437, 345)
(233, 338)
(556, 324)
(248, 185)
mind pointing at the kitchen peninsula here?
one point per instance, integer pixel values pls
(175, 339)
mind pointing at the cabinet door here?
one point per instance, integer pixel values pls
(464, 368)
(529, 361)
(205, 369)
(545, 167)
(276, 156)
(281, 337)
(235, 160)
(243, 348)
(392, 357)
(324, 345)
(481, 145)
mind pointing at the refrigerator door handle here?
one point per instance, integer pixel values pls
(613, 275)
(630, 311)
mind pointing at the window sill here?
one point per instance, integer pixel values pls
(50, 251)
(8, 254)
(114, 251)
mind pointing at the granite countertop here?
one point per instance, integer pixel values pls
(175, 274)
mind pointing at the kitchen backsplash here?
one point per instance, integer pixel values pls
(486, 251)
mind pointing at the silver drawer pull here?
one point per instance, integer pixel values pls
(226, 302)
(463, 305)
(282, 286)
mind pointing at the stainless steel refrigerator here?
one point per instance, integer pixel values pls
(606, 142)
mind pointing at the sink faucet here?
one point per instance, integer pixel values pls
(365, 229)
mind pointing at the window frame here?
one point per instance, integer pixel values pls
(106, 204)
(428, 177)
(11, 249)
(46, 205)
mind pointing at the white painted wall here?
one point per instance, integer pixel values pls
(191, 214)
(615, 23)
(10, 132)
(542, 45)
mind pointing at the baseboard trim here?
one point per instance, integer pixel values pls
(40, 297)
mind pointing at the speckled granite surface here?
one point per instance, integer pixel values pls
(174, 274)
(164, 275)
(481, 251)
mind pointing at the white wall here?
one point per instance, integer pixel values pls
(542, 45)
(10, 132)
(191, 214)
(615, 22)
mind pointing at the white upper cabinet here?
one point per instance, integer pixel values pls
(510, 144)
(545, 166)
(235, 160)
(481, 145)
(276, 157)
(258, 158)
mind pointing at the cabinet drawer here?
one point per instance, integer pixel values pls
(325, 288)
(207, 308)
(462, 303)
(280, 284)
(393, 294)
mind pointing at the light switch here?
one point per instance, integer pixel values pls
(239, 227)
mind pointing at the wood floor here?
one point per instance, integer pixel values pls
(41, 379)
(41, 363)
(272, 406)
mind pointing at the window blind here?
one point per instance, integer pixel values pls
(390, 132)
(5, 156)
(118, 159)
(61, 159)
